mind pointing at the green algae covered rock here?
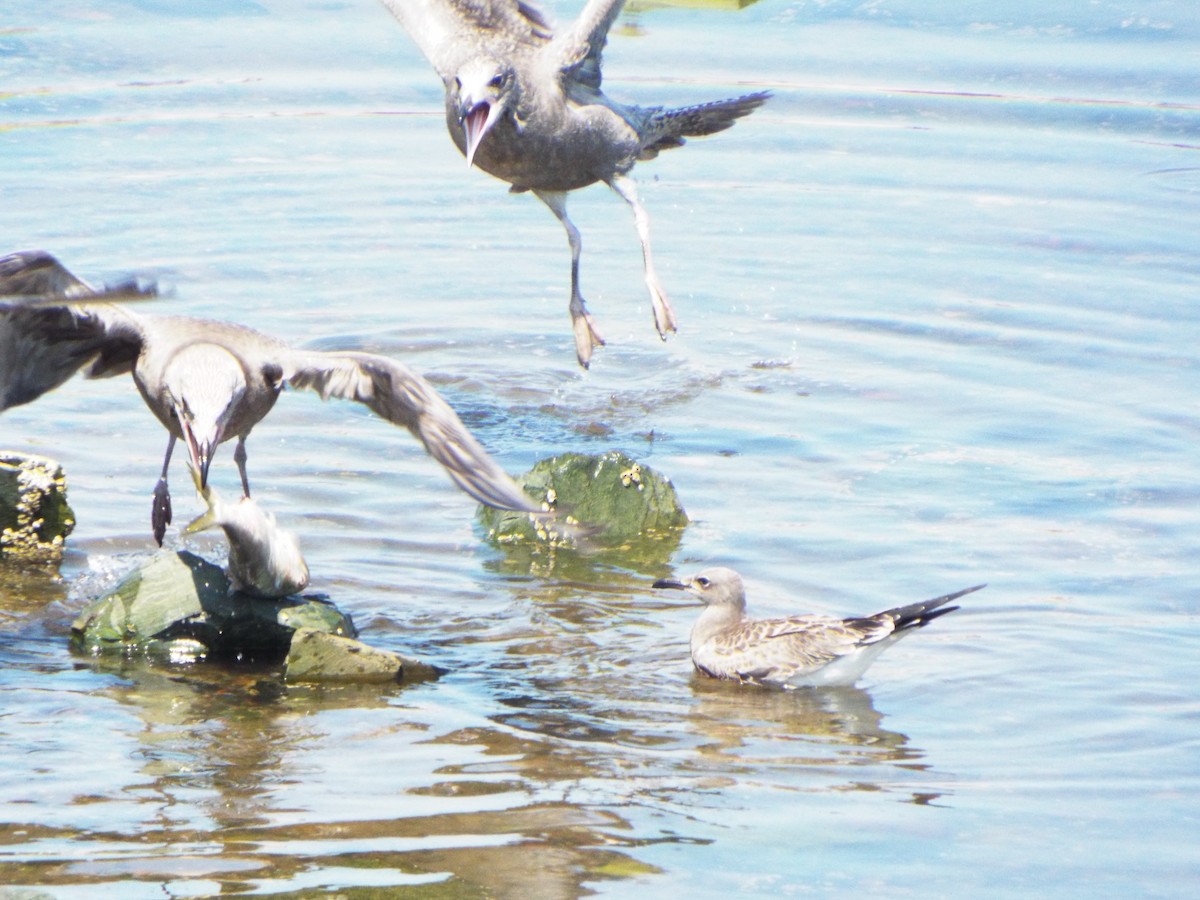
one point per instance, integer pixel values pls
(612, 512)
(35, 517)
(614, 497)
(178, 608)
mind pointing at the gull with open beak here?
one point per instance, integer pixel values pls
(523, 103)
(483, 91)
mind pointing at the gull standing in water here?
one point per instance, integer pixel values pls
(797, 651)
(524, 104)
(210, 382)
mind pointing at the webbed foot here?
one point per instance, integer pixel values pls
(587, 335)
(160, 510)
(664, 316)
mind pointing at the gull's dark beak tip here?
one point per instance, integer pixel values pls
(204, 458)
(670, 583)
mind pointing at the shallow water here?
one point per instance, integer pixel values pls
(938, 327)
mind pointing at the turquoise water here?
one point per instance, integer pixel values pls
(938, 327)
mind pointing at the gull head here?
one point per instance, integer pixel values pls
(204, 384)
(479, 95)
(716, 587)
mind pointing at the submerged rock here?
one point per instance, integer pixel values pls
(179, 608)
(323, 657)
(35, 517)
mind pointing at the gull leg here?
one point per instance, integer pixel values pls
(664, 316)
(239, 457)
(587, 336)
(160, 507)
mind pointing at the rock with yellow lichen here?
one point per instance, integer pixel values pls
(624, 509)
(35, 517)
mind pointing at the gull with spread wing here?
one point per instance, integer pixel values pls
(523, 103)
(209, 382)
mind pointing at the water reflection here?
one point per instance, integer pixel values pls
(827, 726)
(26, 590)
(223, 761)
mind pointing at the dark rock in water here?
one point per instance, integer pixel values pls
(35, 517)
(323, 657)
(179, 608)
(629, 516)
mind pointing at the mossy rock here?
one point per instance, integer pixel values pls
(35, 517)
(316, 656)
(179, 608)
(612, 495)
(628, 513)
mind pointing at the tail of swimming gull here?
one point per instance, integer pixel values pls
(666, 128)
(917, 615)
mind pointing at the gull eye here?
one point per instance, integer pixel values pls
(496, 81)
(703, 582)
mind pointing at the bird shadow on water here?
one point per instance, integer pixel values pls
(808, 739)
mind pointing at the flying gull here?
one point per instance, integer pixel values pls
(797, 651)
(524, 104)
(209, 382)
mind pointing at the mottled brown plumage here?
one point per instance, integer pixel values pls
(796, 651)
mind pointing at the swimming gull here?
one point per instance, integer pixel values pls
(209, 381)
(797, 651)
(524, 104)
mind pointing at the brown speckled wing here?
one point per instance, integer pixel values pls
(776, 650)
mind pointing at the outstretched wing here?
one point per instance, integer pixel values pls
(400, 395)
(36, 273)
(35, 277)
(449, 32)
(49, 329)
(579, 48)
